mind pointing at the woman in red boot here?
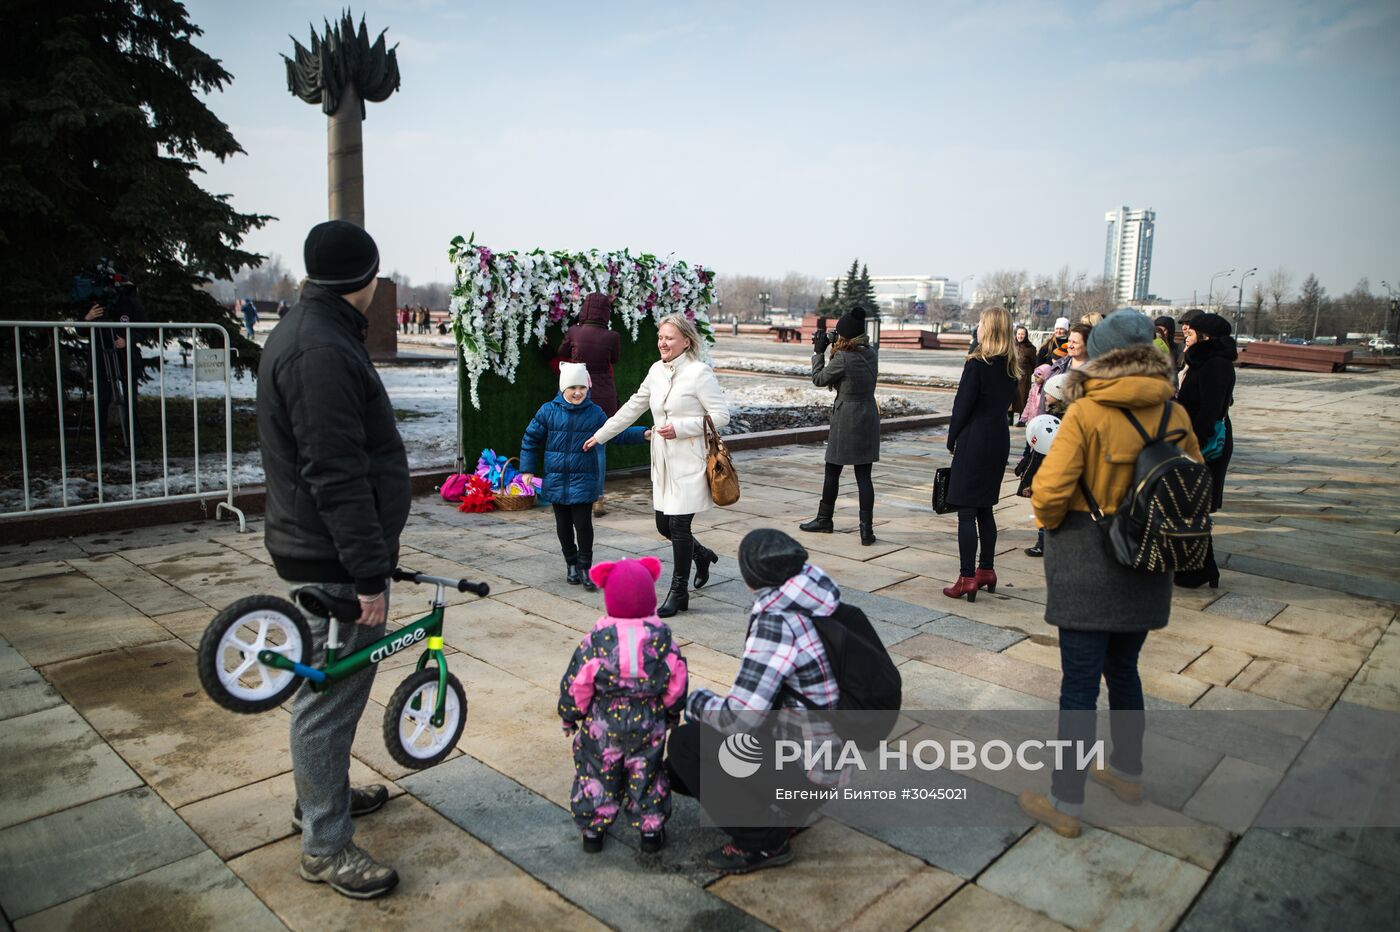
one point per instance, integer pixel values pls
(980, 443)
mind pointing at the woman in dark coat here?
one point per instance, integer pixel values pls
(1207, 391)
(1025, 358)
(854, 439)
(591, 342)
(980, 443)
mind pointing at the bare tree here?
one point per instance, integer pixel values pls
(269, 281)
(1279, 286)
(1093, 297)
(1256, 308)
(1004, 287)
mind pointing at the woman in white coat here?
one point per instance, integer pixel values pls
(680, 391)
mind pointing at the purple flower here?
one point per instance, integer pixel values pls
(689, 314)
(610, 757)
(652, 822)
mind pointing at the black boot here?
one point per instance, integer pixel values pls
(821, 524)
(573, 578)
(704, 558)
(677, 600)
(867, 528)
(585, 563)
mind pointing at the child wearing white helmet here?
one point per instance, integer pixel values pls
(1040, 433)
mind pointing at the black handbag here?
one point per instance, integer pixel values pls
(941, 477)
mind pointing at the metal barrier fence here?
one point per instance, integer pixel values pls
(110, 374)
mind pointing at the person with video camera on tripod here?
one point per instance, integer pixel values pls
(114, 298)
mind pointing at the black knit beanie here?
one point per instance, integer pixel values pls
(768, 557)
(340, 256)
(1212, 325)
(851, 324)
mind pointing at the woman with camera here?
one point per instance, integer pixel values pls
(854, 438)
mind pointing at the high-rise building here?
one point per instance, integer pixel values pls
(1127, 258)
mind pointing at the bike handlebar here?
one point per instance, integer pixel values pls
(461, 585)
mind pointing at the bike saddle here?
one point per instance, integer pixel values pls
(322, 604)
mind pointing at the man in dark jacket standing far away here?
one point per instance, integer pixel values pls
(337, 498)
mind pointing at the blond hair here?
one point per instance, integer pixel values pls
(687, 329)
(994, 339)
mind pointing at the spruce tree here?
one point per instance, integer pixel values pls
(865, 293)
(830, 306)
(102, 123)
(850, 291)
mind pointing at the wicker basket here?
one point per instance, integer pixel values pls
(514, 502)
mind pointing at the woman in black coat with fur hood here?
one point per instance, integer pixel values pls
(1207, 392)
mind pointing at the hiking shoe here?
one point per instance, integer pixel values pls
(1039, 807)
(731, 859)
(1129, 791)
(350, 872)
(363, 801)
(592, 842)
(652, 842)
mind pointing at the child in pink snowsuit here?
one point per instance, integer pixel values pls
(624, 687)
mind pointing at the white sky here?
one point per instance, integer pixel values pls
(945, 138)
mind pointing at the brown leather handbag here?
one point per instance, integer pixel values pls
(719, 468)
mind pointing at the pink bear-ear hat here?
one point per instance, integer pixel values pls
(629, 586)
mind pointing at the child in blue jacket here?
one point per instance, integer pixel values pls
(573, 478)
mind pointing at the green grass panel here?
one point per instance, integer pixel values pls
(506, 409)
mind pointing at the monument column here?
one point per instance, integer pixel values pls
(340, 72)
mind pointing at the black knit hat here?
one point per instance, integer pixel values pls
(340, 256)
(1212, 325)
(851, 324)
(768, 557)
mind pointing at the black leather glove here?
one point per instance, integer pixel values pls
(820, 342)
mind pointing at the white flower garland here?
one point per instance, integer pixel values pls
(500, 300)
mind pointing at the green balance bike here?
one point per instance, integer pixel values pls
(255, 654)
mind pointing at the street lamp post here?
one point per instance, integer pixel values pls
(1239, 304)
(765, 305)
(1210, 291)
(1395, 309)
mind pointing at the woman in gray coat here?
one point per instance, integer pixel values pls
(854, 439)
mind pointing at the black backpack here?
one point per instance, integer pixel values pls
(1163, 523)
(871, 690)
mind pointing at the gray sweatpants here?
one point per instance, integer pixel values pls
(323, 728)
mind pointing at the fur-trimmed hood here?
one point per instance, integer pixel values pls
(1131, 377)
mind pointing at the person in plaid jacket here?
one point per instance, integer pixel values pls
(783, 657)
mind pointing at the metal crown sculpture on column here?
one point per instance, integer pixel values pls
(340, 72)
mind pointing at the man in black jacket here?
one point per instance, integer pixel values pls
(337, 499)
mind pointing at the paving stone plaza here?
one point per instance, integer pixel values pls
(129, 800)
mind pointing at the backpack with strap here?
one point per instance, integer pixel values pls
(1163, 523)
(869, 684)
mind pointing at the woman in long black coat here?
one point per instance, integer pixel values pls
(1207, 391)
(980, 443)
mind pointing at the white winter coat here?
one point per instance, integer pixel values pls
(679, 393)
